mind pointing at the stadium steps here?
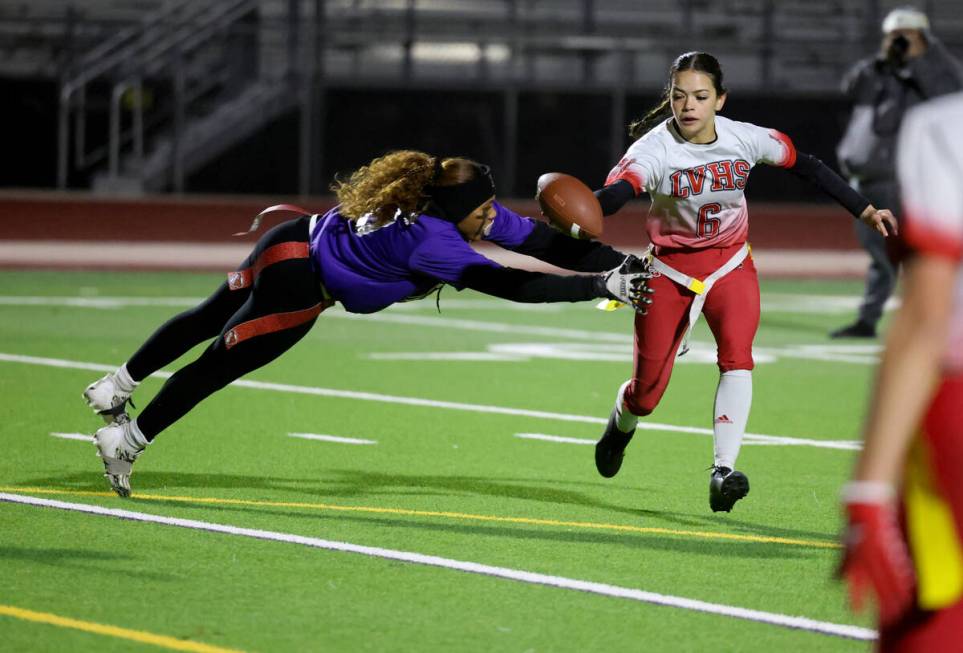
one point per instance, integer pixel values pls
(211, 46)
(204, 138)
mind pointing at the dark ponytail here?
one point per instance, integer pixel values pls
(702, 62)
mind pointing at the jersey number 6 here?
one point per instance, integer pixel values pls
(708, 224)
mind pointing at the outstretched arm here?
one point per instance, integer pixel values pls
(820, 175)
(626, 283)
(531, 287)
(552, 246)
(534, 238)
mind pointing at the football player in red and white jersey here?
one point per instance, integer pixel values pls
(904, 505)
(694, 165)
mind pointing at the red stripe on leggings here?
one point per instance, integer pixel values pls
(272, 323)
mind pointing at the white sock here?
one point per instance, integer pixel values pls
(624, 420)
(123, 380)
(731, 412)
(134, 437)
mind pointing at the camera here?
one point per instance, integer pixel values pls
(896, 52)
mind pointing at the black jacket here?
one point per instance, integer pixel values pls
(881, 92)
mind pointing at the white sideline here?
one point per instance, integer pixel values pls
(603, 589)
(431, 403)
(331, 438)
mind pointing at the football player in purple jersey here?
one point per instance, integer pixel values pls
(401, 230)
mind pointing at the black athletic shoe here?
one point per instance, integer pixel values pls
(858, 329)
(725, 488)
(610, 450)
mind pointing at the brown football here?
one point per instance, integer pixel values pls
(570, 205)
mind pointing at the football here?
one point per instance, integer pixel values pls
(569, 205)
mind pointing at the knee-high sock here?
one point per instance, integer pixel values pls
(624, 420)
(731, 412)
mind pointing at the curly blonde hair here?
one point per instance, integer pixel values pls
(396, 181)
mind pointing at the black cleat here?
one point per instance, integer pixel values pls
(857, 329)
(610, 450)
(725, 488)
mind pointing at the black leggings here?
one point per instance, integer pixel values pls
(289, 285)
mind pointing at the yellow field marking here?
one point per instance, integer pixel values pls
(113, 631)
(531, 521)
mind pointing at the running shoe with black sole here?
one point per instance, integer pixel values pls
(725, 488)
(610, 449)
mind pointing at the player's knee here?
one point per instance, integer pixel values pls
(731, 363)
(640, 404)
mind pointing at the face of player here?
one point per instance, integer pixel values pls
(478, 223)
(694, 105)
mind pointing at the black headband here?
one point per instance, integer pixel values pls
(455, 203)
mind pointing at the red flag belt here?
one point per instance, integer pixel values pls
(256, 224)
(272, 323)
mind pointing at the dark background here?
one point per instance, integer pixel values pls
(557, 131)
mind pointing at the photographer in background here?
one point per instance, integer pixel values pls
(912, 66)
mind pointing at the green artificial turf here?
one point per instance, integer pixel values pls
(448, 481)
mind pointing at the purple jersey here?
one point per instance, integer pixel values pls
(369, 272)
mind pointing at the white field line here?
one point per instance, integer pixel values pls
(401, 313)
(303, 436)
(818, 304)
(553, 438)
(534, 578)
(771, 302)
(331, 438)
(338, 313)
(463, 356)
(73, 436)
(453, 303)
(427, 403)
(749, 439)
(846, 445)
(865, 354)
(96, 301)
(494, 327)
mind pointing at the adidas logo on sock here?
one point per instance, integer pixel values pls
(723, 419)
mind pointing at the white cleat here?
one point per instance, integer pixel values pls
(115, 447)
(107, 400)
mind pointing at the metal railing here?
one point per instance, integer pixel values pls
(158, 44)
(608, 46)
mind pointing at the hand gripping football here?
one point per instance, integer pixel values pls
(569, 205)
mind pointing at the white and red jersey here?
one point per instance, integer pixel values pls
(697, 190)
(930, 171)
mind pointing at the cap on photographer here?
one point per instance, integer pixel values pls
(904, 35)
(911, 66)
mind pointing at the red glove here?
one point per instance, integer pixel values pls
(876, 557)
